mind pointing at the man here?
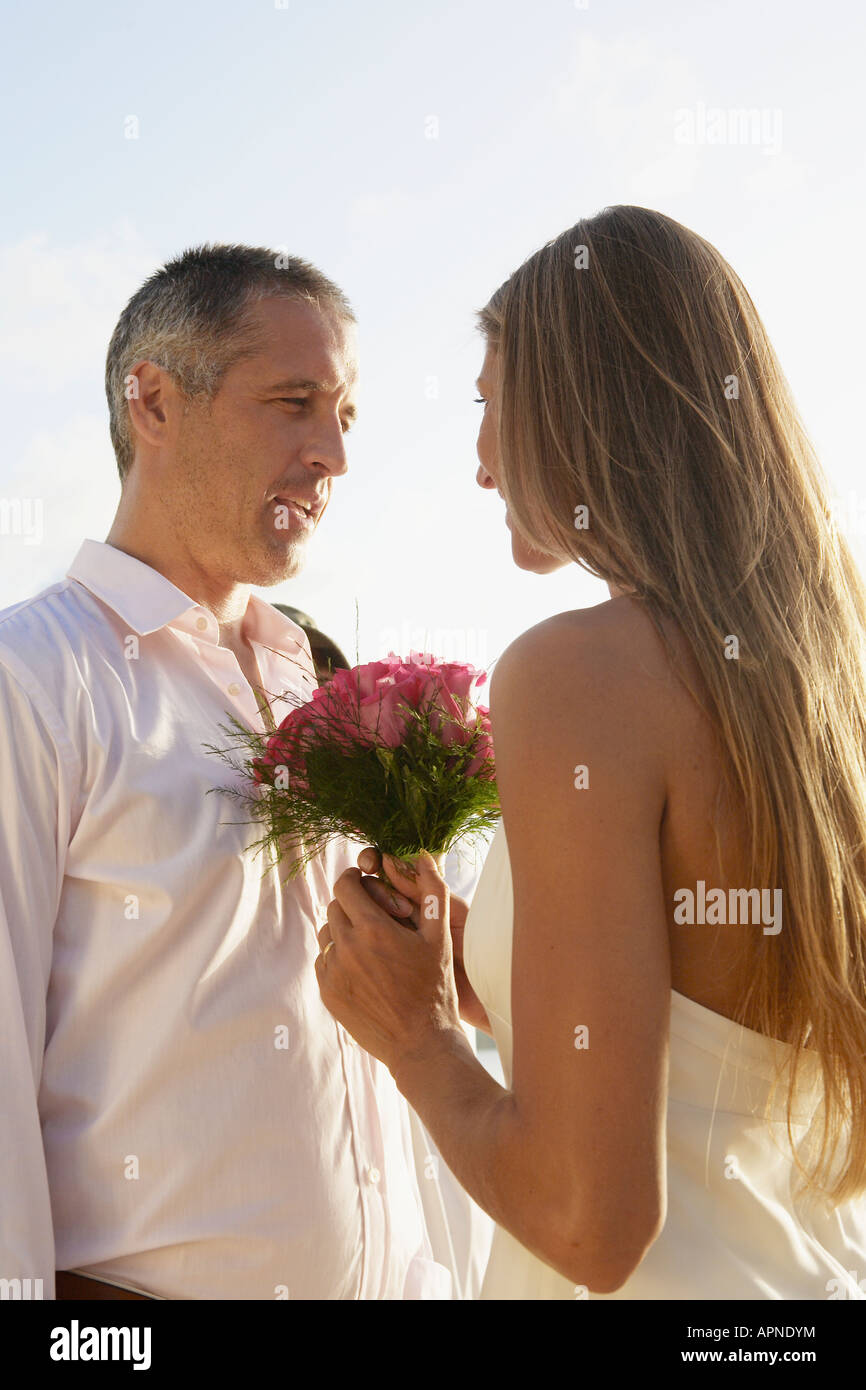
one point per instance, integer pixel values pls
(182, 1118)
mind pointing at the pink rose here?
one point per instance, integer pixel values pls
(279, 752)
(482, 764)
(368, 704)
(454, 706)
(383, 714)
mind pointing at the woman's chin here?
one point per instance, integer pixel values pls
(534, 561)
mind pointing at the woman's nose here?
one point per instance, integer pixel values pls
(483, 478)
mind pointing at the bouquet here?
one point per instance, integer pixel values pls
(395, 753)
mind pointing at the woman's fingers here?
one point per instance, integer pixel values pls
(413, 888)
(404, 874)
(336, 924)
(427, 889)
(356, 905)
(370, 862)
(392, 902)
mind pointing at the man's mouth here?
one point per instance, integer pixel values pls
(306, 509)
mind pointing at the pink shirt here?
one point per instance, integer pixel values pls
(181, 1114)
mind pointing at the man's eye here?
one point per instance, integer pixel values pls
(293, 400)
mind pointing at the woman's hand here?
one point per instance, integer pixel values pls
(390, 986)
(471, 1009)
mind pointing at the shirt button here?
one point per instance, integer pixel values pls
(373, 1175)
(234, 688)
(201, 624)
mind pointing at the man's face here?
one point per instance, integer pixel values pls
(272, 438)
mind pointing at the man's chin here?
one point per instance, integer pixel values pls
(277, 565)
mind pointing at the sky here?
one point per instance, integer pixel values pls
(417, 153)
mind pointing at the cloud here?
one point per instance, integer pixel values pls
(615, 97)
(62, 302)
(778, 175)
(621, 92)
(63, 488)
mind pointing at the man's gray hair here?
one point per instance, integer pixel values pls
(191, 318)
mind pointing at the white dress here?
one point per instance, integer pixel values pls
(734, 1228)
(460, 1232)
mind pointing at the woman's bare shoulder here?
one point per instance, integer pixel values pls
(615, 644)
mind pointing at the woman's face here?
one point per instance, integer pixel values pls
(488, 474)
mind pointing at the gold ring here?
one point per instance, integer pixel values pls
(327, 949)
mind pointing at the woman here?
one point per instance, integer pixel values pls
(685, 1057)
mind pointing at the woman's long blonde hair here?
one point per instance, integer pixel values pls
(637, 380)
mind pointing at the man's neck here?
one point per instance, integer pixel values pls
(227, 600)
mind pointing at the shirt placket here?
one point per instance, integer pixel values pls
(368, 1143)
(369, 1153)
(222, 666)
(285, 681)
(368, 1146)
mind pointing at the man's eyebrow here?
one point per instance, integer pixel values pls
(302, 384)
(298, 384)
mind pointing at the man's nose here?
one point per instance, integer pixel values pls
(327, 448)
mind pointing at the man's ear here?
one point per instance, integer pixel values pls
(153, 399)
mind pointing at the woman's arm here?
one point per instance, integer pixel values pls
(572, 1160)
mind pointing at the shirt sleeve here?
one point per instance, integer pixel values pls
(36, 768)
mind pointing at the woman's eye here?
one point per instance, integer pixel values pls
(479, 400)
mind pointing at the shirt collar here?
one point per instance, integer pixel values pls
(147, 601)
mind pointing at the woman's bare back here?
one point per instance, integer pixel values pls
(711, 964)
